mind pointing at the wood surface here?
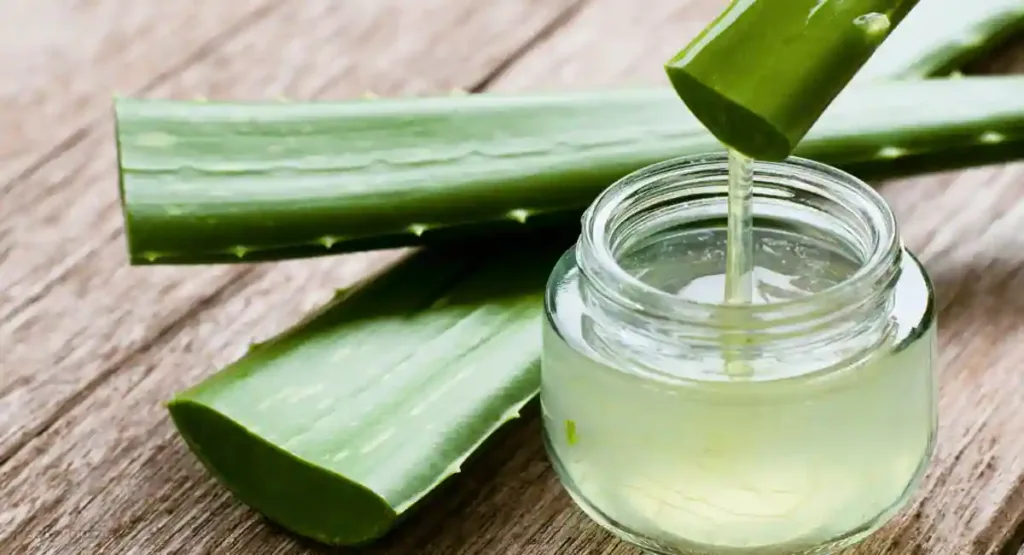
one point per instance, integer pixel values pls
(90, 348)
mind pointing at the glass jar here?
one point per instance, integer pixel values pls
(797, 424)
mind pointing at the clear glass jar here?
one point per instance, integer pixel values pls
(797, 424)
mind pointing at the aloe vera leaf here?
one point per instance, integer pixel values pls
(339, 426)
(939, 36)
(209, 182)
(761, 74)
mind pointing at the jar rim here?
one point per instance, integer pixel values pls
(598, 262)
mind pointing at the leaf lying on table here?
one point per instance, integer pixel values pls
(248, 182)
(337, 427)
(241, 183)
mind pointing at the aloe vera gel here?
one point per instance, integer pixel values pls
(794, 423)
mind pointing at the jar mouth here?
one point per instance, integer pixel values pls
(858, 218)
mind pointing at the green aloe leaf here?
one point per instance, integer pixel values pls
(339, 426)
(209, 182)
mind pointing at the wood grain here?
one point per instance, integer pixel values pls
(61, 61)
(96, 468)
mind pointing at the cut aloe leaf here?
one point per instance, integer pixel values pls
(336, 428)
(762, 73)
(209, 182)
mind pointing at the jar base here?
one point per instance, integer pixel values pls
(653, 547)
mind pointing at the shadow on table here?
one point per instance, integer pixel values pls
(985, 290)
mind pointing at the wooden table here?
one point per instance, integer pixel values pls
(90, 347)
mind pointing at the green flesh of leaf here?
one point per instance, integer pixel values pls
(339, 426)
(208, 182)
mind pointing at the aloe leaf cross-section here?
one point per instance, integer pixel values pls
(761, 74)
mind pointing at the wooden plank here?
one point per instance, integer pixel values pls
(508, 502)
(57, 350)
(612, 43)
(61, 61)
